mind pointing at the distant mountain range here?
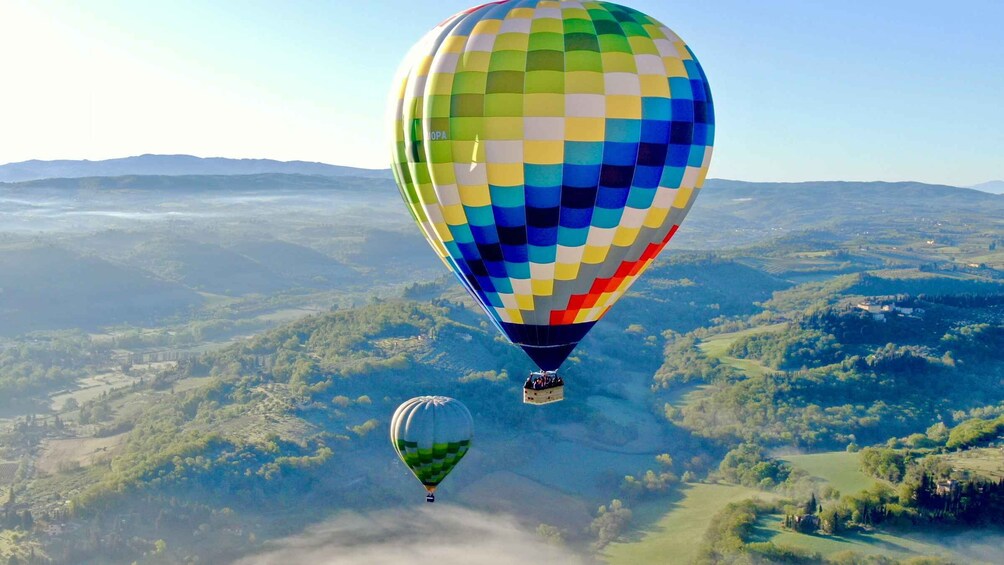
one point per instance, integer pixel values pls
(993, 187)
(193, 183)
(856, 189)
(171, 165)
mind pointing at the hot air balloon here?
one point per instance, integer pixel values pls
(431, 434)
(549, 150)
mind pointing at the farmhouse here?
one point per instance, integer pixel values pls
(947, 487)
(879, 310)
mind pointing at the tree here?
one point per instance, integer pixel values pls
(812, 505)
(610, 522)
(551, 534)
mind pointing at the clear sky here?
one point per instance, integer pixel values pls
(804, 89)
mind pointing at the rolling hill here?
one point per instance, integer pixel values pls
(993, 187)
(173, 165)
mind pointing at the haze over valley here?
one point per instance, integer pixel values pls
(204, 366)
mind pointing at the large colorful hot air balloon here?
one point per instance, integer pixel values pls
(431, 434)
(549, 151)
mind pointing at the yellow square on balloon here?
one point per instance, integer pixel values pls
(542, 288)
(594, 255)
(455, 215)
(475, 196)
(566, 271)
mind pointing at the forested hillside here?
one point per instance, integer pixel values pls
(219, 372)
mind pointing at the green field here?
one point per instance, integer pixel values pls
(718, 346)
(676, 536)
(768, 528)
(685, 395)
(987, 462)
(840, 469)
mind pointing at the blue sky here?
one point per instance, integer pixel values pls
(804, 90)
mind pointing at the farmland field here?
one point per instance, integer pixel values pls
(92, 388)
(987, 462)
(678, 532)
(768, 528)
(718, 347)
(840, 469)
(59, 453)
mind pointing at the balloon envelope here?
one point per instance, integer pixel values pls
(549, 151)
(431, 434)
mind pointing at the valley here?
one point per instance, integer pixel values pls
(291, 322)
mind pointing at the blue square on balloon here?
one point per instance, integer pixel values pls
(509, 217)
(493, 298)
(696, 156)
(693, 70)
(470, 253)
(542, 175)
(543, 196)
(452, 249)
(656, 108)
(514, 253)
(697, 86)
(568, 237)
(496, 270)
(623, 130)
(611, 197)
(541, 237)
(701, 112)
(652, 154)
(615, 153)
(502, 284)
(655, 131)
(617, 176)
(607, 218)
(679, 89)
(583, 153)
(544, 254)
(480, 271)
(511, 235)
(648, 176)
(462, 234)
(479, 216)
(700, 134)
(672, 177)
(484, 234)
(519, 269)
(575, 217)
(683, 110)
(704, 112)
(506, 196)
(679, 155)
(581, 176)
(681, 133)
(641, 198)
(573, 197)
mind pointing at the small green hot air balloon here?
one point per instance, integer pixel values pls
(431, 434)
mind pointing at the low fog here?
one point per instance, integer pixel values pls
(440, 534)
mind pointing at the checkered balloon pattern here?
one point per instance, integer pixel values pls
(549, 150)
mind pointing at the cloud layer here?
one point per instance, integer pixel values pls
(440, 534)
